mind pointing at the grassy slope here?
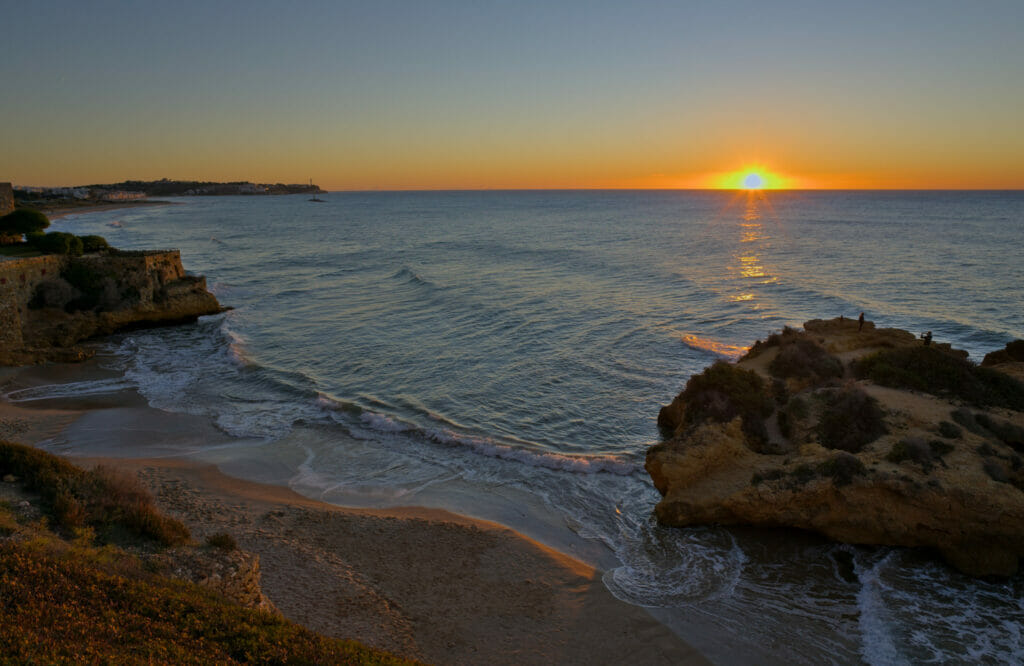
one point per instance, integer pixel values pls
(63, 598)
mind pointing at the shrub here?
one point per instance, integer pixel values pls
(58, 242)
(1008, 433)
(23, 221)
(940, 448)
(842, 468)
(222, 541)
(931, 370)
(94, 243)
(791, 414)
(965, 417)
(949, 431)
(771, 475)
(995, 471)
(801, 475)
(722, 392)
(851, 420)
(805, 359)
(917, 450)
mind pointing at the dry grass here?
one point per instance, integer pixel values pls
(116, 505)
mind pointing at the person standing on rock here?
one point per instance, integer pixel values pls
(860, 322)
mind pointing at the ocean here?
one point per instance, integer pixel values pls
(504, 355)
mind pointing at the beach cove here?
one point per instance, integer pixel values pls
(423, 584)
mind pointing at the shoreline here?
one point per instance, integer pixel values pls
(422, 583)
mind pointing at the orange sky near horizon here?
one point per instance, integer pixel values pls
(531, 95)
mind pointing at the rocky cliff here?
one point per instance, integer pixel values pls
(50, 303)
(865, 436)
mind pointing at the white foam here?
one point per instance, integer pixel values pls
(382, 423)
(878, 646)
(69, 390)
(554, 461)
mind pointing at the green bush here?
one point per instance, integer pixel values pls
(842, 468)
(931, 370)
(791, 414)
(94, 243)
(851, 419)
(23, 221)
(57, 242)
(1008, 433)
(949, 431)
(722, 392)
(805, 359)
(914, 449)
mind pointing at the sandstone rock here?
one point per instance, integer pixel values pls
(923, 483)
(49, 304)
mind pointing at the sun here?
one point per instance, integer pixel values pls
(753, 181)
(751, 177)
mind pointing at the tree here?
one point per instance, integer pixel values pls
(23, 221)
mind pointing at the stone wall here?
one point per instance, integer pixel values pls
(18, 281)
(6, 198)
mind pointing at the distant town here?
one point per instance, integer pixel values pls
(137, 190)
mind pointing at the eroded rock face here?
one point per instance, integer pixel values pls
(941, 471)
(49, 304)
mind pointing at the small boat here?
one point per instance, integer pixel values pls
(116, 224)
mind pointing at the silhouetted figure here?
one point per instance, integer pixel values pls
(860, 321)
(927, 337)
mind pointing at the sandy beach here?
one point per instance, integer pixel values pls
(420, 583)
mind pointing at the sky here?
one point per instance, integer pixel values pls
(481, 94)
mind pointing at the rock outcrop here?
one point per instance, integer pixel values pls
(50, 303)
(865, 436)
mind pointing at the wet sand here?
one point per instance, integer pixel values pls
(422, 583)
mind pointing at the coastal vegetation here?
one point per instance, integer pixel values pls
(20, 222)
(723, 392)
(928, 369)
(87, 576)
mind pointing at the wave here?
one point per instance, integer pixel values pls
(713, 346)
(69, 390)
(407, 275)
(577, 464)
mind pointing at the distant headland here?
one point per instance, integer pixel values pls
(136, 190)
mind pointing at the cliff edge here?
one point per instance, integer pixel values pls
(50, 303)
(864, 435)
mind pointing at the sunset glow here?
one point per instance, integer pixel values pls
(752, 177)
(369, 98)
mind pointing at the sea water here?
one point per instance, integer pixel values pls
(505, 354)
